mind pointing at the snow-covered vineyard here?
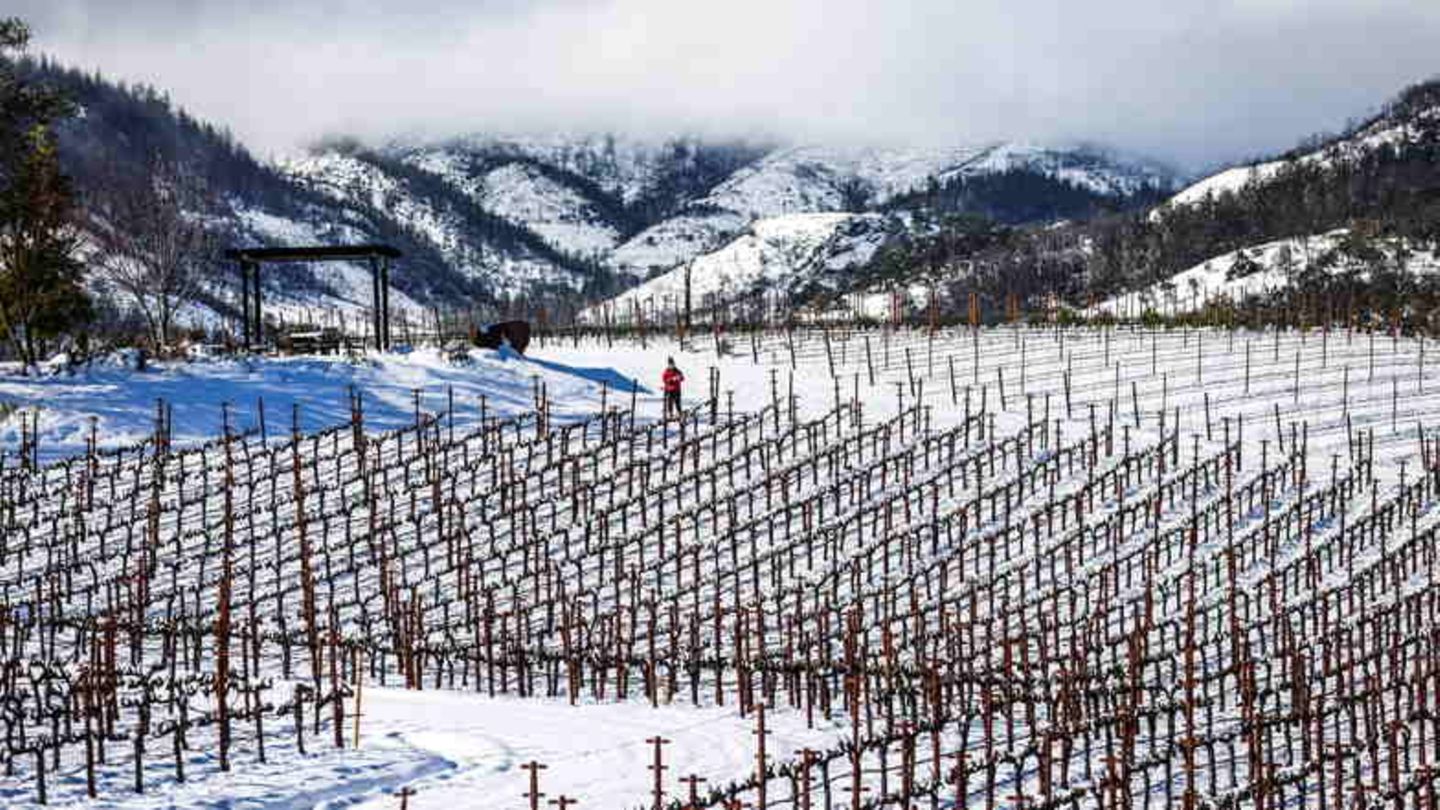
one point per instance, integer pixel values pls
(1007, 567)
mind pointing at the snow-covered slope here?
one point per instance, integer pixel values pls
(1097, 170)
(524, 194)
(784, 252)
(629, 168)
(1397, 127)
(831, 179)
(513, 268)
(1269, 268)
(640, 207)
(788, 181)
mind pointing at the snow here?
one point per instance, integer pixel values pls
(1227, 181)
(627, 166)
(486, 740)
(776, 252)
(677, 240)
(523, 194)
(122, 401)
(835, 179)
(880, 305)
(456, 748)
(1280, 263)
(813, 178)
(1093, 169)
(565, 219)
(498, 174)
(1384, 132)
(348, 179)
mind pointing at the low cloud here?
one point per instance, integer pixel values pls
(1196, 83)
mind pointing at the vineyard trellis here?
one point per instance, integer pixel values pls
(1062, 568)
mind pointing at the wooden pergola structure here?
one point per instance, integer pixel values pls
(252, 259)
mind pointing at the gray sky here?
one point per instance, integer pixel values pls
(1192, 82)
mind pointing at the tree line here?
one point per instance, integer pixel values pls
(1384, 193)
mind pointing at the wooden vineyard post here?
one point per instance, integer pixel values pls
(658, 767)
(222, 618)
(1426, 775)
(337, 699)
(359, 689)
(88, 706)
(533, 794)
(307, 575)
(807, 760)
(960, 777)
(41, 795)
(298, 709)
(761, 768)
(692, 782)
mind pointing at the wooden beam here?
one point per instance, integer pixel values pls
(376, 321)
(256, 299)
(312, 253)
(385, 297)
(245, 301)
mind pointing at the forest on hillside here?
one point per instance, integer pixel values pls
(1387, 193)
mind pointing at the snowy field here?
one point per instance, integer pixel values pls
(1060, 552)
(122, 402)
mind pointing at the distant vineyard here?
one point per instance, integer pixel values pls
(1040, 568)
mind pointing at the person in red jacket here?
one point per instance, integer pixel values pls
(671, 380)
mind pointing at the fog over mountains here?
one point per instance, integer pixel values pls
(568, 217)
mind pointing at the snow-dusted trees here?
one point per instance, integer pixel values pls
(155, 242)
(40, 292)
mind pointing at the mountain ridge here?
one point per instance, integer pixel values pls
(554, 220)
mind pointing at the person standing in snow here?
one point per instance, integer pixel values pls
(671, 380)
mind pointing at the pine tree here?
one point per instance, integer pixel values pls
(41, 296)
(40, 292)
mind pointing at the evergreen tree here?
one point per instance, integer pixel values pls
(40, 292)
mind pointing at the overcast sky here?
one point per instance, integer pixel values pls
(1194, 83)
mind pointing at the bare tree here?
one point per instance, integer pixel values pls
(155, 242)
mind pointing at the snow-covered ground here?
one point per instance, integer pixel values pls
(456, 748)
(122, 401)
(595, 751)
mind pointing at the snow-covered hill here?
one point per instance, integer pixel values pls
(1266, 269)
(1401, 124)
(829, 179)
(780, 253)
(531, 216)
(642, 207)
(514, 268)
